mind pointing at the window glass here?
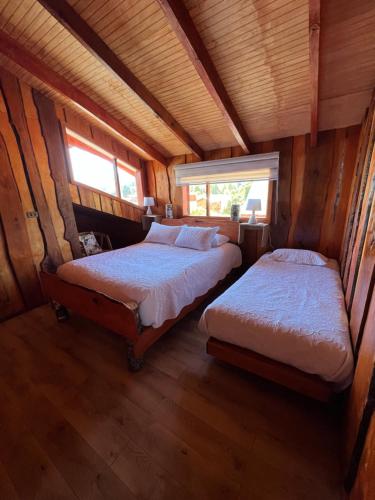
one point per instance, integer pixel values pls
(92, 169)
(197, 199)
(222, 195)
(128, 185)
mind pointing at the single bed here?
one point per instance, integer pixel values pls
(142, 290)
(286, 322)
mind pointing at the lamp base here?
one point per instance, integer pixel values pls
(252, 218)
(149, 212)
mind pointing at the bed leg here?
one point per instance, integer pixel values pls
(61, 311)
(135, 364)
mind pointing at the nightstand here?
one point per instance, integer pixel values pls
(147, 220)
(253, 241)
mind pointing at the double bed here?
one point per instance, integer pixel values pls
(286, 322)
(140, 291)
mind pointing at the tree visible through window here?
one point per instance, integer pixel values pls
(216, 199)
(127, 183)
(198, 199)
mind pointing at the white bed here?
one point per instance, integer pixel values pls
(162, 279)
(291, 313)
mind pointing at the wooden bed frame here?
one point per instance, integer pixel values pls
(280, 373)
(123, 318)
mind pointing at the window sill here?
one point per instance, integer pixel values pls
(263, 219)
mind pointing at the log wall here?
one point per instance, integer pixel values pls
(358, 271)
(37, 225)
(364, 485)
(313, 189)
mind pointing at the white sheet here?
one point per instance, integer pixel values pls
(291, 313)
(161, 279)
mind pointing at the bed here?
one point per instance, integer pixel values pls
(142, 290)
(286, 322)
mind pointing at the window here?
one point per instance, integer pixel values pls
(197, 199)
(216, 199)
(211, 187)
(94, 167)
(127, 182)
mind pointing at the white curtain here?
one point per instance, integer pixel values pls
(243, 168)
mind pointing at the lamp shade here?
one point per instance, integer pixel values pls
(254, 204)
(148, 201)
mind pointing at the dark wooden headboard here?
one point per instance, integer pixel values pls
(122, 232)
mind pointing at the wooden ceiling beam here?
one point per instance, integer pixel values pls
(14, 51)
(78, 27)
(314, 40)
(185, 30)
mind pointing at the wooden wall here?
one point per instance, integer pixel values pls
(364, 485)
(91, 198)
(122, 232)
(358, 271)
(313, 191)
(32, 179)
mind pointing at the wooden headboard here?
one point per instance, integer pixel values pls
(227, 227)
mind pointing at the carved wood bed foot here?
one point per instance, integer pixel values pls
(61, 311)
(135, 364)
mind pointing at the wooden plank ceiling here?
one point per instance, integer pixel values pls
(260, 49)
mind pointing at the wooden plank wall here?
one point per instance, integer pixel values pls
(313, 191)
(364, 485)
(358, 271)
(28, 184)
(92, 198)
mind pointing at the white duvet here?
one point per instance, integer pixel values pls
(162, 279)
(291, 313)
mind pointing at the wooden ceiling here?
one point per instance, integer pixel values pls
(260, 49)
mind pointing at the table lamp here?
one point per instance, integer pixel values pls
(148, 201)
(253, 204)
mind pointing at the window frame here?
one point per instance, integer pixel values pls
(243, 218)
(73, 137)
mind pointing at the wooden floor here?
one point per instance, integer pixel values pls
(74, 423)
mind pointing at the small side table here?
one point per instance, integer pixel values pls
(147, 220)
(254, 242)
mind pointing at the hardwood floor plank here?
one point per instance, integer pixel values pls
(76, 424)
(187, 466)
(118, 421)
(85, 472)
(100, 431)
(7, 489)
(31, 470)
(134, 465)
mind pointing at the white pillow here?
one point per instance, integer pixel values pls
(219, 240)
(159, 233)
(197, 238)
(295, 256)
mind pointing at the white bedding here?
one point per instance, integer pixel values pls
(291, 313)
(162, 279)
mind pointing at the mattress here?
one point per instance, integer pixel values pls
(162, 279)
(291, 313)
